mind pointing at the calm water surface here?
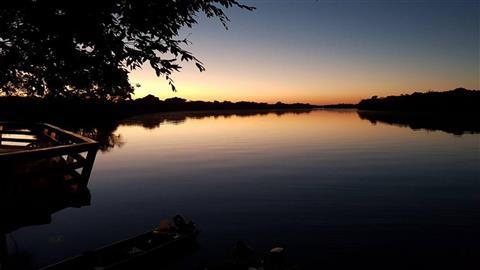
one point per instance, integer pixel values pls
(336, 190)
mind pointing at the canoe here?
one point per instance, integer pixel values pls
(167, 238)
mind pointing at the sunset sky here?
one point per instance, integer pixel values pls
(326, 52)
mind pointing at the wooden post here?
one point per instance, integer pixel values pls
(87, 168)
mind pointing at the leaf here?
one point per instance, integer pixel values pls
(200, 67)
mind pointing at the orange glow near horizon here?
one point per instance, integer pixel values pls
(215, 84)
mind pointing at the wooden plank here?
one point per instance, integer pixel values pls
(9, 150)
(48, 152)
(7, 147)
(25, 140)
(72, 134)
(19, 125)
(17, 132)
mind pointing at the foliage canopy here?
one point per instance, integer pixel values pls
(86, 49)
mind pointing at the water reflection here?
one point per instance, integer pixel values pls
(336, 190)
(27, 206)
(104, 135)
(108, 137)
(457, 124)
(31, 201)
(151, 121)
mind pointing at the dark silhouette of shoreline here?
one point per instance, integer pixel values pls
(455, 111)
(457, 100)
(28, 109)
(452, 111)
(151, 121)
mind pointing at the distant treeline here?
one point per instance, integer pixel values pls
(457, 100)
(38, 109)
(16, 108)
(338, 106)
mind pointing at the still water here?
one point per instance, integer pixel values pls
(334, 188)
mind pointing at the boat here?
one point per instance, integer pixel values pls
(169, 237)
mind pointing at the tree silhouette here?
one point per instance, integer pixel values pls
(85, 49)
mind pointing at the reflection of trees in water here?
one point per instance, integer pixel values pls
(454, 123)
(457, 124)
(151, 121)
(108, 139)
(104, 135)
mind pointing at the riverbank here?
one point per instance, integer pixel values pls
(457, 100)
(91, 112)
(26, 109)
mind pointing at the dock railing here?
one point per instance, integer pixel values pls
(22, 143)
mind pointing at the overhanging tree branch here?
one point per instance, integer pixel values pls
(87, 48)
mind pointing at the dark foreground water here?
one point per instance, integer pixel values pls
(336, 189)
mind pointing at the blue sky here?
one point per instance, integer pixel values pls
(329, 51)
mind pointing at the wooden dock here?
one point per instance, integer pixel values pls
(42, 148)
